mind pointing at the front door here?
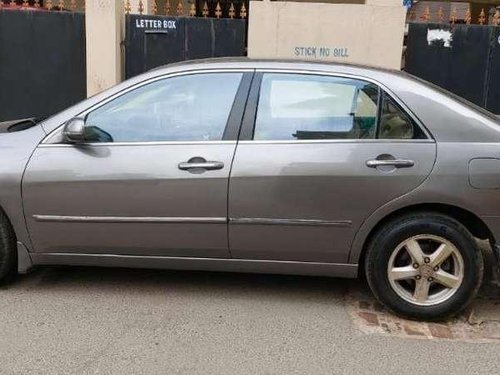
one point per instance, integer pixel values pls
(322, 154)
(152, 177)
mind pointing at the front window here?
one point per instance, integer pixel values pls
(192, 107)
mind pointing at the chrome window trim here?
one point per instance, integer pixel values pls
(85, 112)
(152, 143)
(358, 77)
(129, 219)
(327, 141)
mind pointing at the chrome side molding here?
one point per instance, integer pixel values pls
(129, 219)
(303, 222)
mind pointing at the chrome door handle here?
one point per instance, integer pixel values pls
(398, 163)
(208, 165)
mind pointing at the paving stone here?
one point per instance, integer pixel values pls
(370, 318)
(413, 331)
(478, 323)
(364, 305)
(440, 331)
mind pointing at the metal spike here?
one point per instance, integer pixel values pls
(128, 7)
(49, 5)
(412, 15)
(426, 16)
(166, 7)
(482, 17)
(180, 8)
(72, 5)
(243, 11)
(140, 7)
(218, 10)
(25, 4)
(440, 15)
(232, 11)
(204, 12)
(453, 16)
(496, 18)
(155, 8)
(61, 5)
(468, 17)
(12, 3)
(192, 9)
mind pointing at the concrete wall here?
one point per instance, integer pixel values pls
(370, 33)
(104, 32)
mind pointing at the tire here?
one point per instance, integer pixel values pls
(393, 246)
(8, 253)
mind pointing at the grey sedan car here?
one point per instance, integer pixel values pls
(262, 166)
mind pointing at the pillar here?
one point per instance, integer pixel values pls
(104, 33)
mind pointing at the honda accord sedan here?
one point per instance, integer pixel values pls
(262, 166)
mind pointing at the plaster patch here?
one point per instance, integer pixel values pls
(434, 35)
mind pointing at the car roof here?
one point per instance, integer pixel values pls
(262, 63)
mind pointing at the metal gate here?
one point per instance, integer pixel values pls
(464, 59)
(42, 62)
(151, 41)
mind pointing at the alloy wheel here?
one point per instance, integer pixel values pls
(425, 270)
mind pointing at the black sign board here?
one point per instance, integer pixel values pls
(464, 59)
(152, 41)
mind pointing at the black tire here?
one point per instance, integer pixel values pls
(395, 232)
(8, 253)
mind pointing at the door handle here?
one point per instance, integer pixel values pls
(398, 163)
(208, 165)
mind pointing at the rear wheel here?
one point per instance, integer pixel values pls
(424, 266)
(8, 254)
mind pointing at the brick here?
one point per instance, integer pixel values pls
(378, 307)
(440, 331)
(413, 331)
(364, 305)
(370, 318)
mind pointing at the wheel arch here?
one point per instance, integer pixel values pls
(471, 221)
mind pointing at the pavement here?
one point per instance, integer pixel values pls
(122, 321)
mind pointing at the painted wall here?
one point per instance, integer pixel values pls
(104, 32)
(370, 33)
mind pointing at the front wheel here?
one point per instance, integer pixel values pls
(424, 266)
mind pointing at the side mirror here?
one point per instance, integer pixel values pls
(74, 130)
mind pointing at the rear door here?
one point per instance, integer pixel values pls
(317, 155)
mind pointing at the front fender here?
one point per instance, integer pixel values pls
(15, 151)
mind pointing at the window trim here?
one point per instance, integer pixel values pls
(248, 124)
(231, 130)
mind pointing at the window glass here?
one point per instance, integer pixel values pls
(184, 108)
(295, 107)
(395, 123)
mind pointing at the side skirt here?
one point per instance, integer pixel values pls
(198, 264)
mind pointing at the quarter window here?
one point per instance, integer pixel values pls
(395, 123)
(185, 108)
(298, 107)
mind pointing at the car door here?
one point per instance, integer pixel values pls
(317, 155)
(152, 176)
